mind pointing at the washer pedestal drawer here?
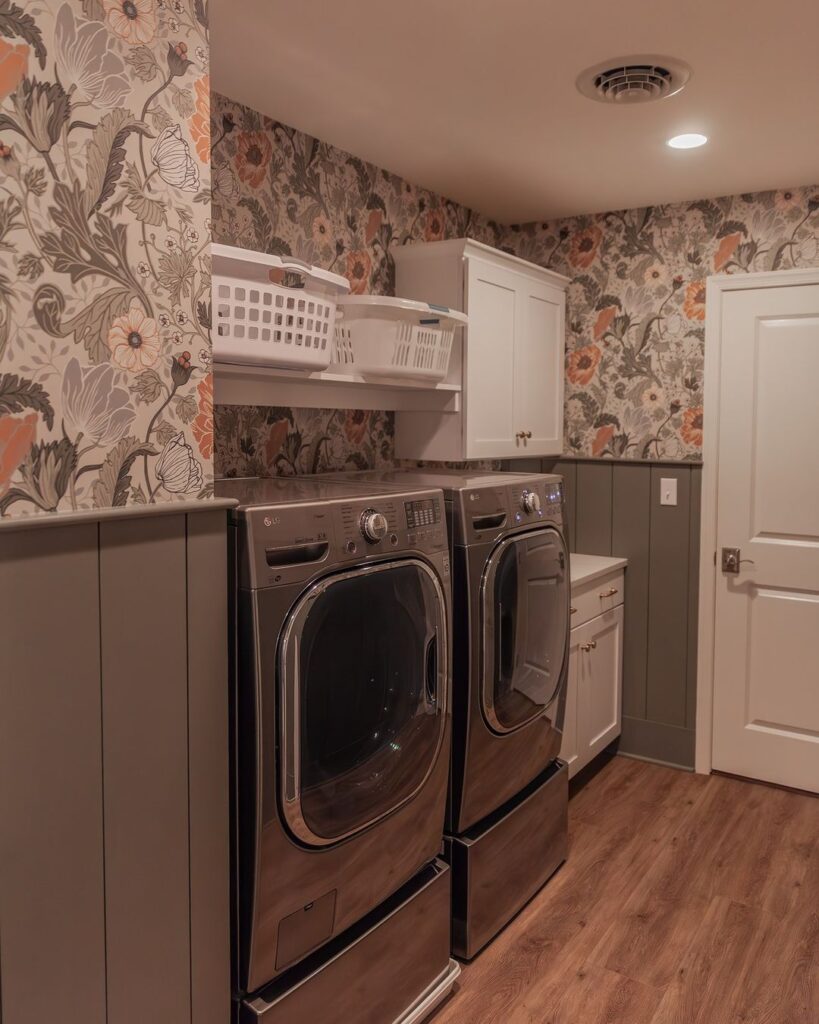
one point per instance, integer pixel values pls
(500, 863)
(391, 968)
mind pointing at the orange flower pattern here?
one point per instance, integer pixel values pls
(13, 66)
(359, 266)
(435, 226)
(584, 246)
(203, 422)
(603, 321)
(355, 425)
(691, 429)
(582, 364)
(252, 157)
(727, 248)
(17, 435)
(199, 123)
(694, 305)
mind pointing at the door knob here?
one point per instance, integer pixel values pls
(731, 561)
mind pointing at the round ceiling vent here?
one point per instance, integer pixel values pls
(634, 79)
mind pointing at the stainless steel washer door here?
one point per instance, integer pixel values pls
(525, 604)
(363, 678)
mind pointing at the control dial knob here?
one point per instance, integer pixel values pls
(530, 501)
(374, 525)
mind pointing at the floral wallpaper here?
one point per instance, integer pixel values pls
(106, 396)
(636, 309)
(278, 190)
(636, 304)
(259, 441)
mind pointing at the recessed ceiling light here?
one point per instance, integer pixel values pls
(688, 141)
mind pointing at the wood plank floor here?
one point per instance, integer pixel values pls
(685, 899)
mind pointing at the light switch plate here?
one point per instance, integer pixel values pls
(668, 490)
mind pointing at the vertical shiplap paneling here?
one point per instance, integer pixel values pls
(631, 502)
(145, 724)
(208, 758)
(593, 516)
(667, 669)
(693, 595)
(51, 802)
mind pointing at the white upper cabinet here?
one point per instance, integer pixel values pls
(509, 362)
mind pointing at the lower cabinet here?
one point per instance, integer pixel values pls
(594, 691)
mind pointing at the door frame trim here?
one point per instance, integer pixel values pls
(716, 286)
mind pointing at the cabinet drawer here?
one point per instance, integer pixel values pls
(592, 599)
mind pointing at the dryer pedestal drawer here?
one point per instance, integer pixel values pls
(393, 967)
(500, 863)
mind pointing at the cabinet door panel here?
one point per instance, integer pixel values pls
(539, 359)
(600, 678)
(569, 745)
(493, 307)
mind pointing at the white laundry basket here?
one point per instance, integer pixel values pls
(379, 336)
(273, 310)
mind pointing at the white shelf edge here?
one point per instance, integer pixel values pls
(240, 384)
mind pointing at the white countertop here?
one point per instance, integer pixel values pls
(585, 568)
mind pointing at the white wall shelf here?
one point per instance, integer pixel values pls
(238, 384)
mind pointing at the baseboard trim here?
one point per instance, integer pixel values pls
(657, 742)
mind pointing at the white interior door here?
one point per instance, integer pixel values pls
(766, 628)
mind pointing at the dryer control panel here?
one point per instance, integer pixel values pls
(481, 513)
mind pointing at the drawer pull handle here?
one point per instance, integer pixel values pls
(590, 646)
(610, 592)
(572, 611)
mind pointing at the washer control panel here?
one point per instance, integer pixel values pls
(421, 513)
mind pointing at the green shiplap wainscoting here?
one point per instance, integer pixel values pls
(613, 508)
(114, 874)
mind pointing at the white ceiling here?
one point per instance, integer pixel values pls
(476, 99)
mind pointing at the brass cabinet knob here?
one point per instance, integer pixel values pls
(572, 611)
(590, 646)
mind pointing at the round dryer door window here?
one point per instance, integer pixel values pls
(363, 689)
(526, 627)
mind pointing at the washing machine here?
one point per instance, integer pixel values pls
(508, 800)
(341, 740)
